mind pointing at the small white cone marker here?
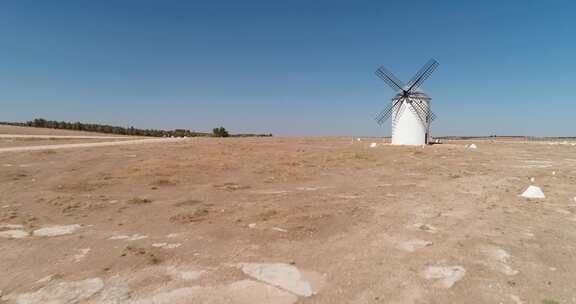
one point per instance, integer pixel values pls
(533, 192)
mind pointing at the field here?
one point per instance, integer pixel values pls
(289, 220)
(16, 130)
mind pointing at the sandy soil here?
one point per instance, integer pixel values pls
(288, 220)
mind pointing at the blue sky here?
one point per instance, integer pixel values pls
(288, 67)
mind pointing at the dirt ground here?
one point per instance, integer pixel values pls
(289, 220)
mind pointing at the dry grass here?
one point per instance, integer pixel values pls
(333, 207)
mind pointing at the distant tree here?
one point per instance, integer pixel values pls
(220, 132)
(43, 123)
(39, 123)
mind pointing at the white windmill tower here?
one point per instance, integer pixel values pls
(410, 108)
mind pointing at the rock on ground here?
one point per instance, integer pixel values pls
(56, 230)
(240, 292)
(62, 292)
(184, 274)
(282, 275)
(11, 226)
(499, 259)
(13, 234)
(447, 275)
(134, 237)
(115, 294)
(413, 245)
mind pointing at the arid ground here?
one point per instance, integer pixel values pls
(288, 220)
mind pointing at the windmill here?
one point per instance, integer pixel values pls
(409, 108)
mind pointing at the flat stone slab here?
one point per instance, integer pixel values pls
(447, 276)
(413, 245)
(14, 234)
(281, 275)
(134, 237)
(56, 230)
(61, 292)
(239, 292)
(11, 226)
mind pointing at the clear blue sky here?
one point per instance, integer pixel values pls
(288, 67)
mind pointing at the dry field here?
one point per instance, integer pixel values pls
(5, 129)
(288, 220)
(13, 136)
(26, 141)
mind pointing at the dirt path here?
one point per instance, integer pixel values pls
(89, 145)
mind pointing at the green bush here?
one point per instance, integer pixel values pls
(220, 132)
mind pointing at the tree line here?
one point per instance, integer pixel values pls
(100, 128)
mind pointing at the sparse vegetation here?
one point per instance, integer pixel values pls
(139, 201)
(363, 156)
(164, 182)
(187, 203)
(222, 201)
(231, 186)
(198, 215)
(141, 252)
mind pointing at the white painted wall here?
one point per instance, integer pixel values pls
(408, 129)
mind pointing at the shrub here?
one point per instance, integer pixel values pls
(220, 132)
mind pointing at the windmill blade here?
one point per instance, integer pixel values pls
(423, 109)
(390, 79)
(426, 110)
(399, 110)
(421, 72)
(419, 112)
(387, 112)
(431, 115)
(422, 75)
(384, 115)
(398, 113)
